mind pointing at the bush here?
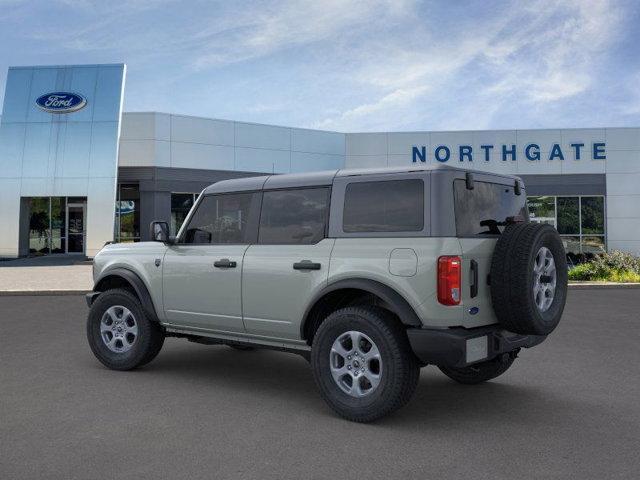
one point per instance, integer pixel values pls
(614, 266)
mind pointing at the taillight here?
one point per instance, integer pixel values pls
(449, 267)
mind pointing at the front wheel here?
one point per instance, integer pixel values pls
(120, 333)
(363, 364)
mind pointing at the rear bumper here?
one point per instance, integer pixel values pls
(459, 347)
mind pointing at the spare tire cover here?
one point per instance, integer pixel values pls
(529, 278)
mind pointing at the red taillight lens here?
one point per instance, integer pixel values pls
(449, 280)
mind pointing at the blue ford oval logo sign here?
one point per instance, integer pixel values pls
(61, 102)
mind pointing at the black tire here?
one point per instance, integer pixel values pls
(480, 372)
(398, 375)
(513, 276)
(147, 344)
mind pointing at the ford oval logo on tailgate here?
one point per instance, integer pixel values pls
(61, 102)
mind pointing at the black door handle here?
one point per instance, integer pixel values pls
(474, 279)
(224, 263)
(306, 265)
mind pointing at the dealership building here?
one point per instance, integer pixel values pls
(76, 171)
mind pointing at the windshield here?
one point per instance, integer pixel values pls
(485, 209)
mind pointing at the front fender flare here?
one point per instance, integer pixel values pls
(136, 283)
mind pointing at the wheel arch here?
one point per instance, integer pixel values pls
(124, 278)
(332, 294)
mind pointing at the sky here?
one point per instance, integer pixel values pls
(351, 66)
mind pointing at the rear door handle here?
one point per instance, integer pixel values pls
(224, 263)
(306, 265)
(474, 279)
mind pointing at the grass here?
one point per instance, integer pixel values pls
(585, 271)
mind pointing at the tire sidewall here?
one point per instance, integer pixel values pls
(132, 357)
(330, 330)
(512, 278)
(545, 322)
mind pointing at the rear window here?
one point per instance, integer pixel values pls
(385, 206)
(484, 210)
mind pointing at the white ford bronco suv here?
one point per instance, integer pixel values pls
(369, 274)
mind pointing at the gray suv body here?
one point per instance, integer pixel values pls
(370, 274)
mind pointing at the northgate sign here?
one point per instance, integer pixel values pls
(531, 152)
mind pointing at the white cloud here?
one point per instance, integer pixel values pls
(350, 64)
(541, 53)
(550, 57)
(286, 24)
(398, 98)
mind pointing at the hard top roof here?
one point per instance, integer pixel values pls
(292, 180)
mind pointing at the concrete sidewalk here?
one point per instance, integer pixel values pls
(42, 276)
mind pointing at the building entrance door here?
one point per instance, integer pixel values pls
(76, 229)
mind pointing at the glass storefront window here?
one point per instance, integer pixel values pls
(568, 216)
(58, 230)
(181, 203)
(592, 215)
(127, 226)
(39, 227)
(571, 244)
(593, 245)
(580, 220)
(49, 225)
(542, 209)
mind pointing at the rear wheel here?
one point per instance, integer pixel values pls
(480, 372)
(363, 364)
(120, 334)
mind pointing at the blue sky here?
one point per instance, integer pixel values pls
(349, 65)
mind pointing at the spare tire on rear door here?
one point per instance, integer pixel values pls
(529, 278)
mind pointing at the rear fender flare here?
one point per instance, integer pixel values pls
(396, 302)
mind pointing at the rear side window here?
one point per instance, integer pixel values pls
(222, 219)
(484, 210)
(296, 216)
(384, 206)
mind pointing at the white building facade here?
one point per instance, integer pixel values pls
(66, 184)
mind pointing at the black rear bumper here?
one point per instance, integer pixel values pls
(459, 347)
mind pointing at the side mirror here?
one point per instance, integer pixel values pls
(159, 231)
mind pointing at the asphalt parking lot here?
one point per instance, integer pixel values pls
(568, 409)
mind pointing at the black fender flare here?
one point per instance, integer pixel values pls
(136, 283)
(396, 302)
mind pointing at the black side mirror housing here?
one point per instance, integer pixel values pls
(159, 232)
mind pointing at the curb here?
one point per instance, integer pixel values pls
(602, 286)
(41, 293)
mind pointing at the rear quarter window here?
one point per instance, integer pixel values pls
(384, 206)
(485, 209)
